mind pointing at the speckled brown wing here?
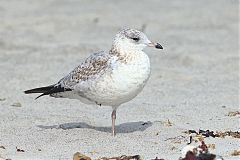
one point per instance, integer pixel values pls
(92, 67)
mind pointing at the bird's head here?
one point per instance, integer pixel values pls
(131, 39)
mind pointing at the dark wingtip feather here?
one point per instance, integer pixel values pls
(40, 96)
(28, 92)
(39, 90)
(47, 90)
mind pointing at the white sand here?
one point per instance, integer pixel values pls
(192, 78)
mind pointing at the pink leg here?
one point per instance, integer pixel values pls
(113, 121)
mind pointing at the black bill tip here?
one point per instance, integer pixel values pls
(158, 46)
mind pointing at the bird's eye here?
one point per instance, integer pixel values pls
(136, 39)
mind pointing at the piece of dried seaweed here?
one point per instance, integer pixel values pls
(19, 150)
(208, 133)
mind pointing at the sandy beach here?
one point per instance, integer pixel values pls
(194, 81)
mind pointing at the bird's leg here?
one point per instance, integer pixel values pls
(113, 121)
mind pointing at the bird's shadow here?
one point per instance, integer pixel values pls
(121, 128)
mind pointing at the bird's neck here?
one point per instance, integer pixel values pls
(125, 56)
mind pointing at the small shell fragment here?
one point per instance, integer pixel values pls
(17, 104)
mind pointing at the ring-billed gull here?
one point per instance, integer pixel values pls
(108, 78)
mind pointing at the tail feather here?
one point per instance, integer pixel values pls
(47, 90)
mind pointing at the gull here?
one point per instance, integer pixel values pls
(107, 78)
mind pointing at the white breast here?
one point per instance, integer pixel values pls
(122, 83)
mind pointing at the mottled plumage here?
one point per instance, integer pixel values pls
(94, 66)
(108, 78)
